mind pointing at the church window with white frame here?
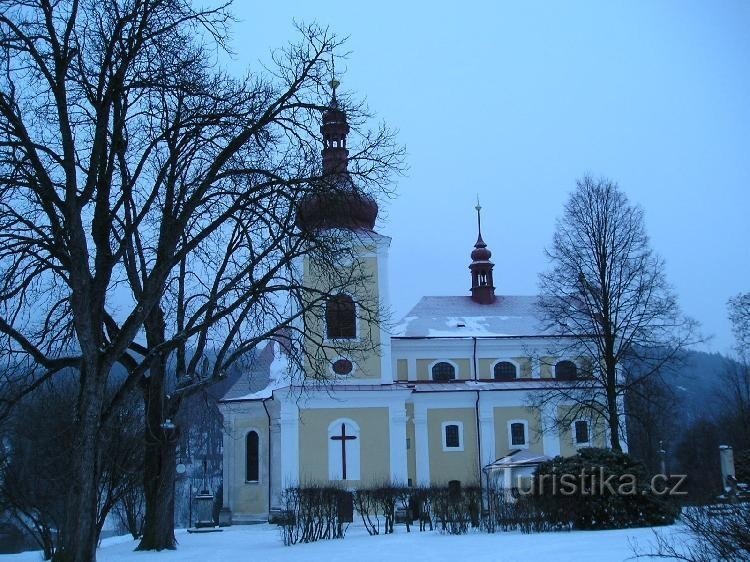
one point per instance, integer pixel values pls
(252, 457)
(452, 435)
(518, 433)
(343, 450)
(581, 433)
(443, 371)
(504, 371)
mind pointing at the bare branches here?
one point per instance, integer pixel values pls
(607, 295)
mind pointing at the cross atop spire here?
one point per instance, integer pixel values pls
(480, 243)
(333, 84)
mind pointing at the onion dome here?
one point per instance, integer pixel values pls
(480, 251)
(337, 203)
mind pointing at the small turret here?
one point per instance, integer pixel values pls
(482, 286)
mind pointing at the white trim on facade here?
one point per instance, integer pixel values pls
(289, 443)
(550, 434)
(397, 444)
(421, 438)
(387, 374)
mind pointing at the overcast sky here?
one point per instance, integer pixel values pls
(513, 101)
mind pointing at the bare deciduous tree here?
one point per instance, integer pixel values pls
(607, 295)
(136, 181)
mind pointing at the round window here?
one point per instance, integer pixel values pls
(342, 366)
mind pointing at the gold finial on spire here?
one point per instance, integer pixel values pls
(333, 83)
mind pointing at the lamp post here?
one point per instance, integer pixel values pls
(662, 458)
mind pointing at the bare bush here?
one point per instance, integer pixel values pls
(312, 513)
(710, 533)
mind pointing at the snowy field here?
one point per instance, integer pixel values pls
(263, 543)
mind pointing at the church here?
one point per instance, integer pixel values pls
(443, 397)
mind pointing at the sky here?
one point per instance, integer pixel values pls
(513, 101)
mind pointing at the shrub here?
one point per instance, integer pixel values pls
(507, 510)
(598, 489)
(708, 533)
(312, 513)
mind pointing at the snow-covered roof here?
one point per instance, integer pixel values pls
(522, 457)
(269, 371)
(462, 317)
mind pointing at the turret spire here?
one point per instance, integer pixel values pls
(482, 288)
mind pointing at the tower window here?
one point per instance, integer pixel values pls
(504, 371)
(566, 370)
(252, 464)
(341, 319)
(443, 372)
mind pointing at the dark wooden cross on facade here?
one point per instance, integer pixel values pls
(343, 438)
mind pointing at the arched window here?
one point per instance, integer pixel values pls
(343, 450)
(505, 371)
(566, 370)
(341, 318)
(252, 459)
(443, 372)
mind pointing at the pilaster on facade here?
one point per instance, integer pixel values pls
(487, 436)
(421, 444)
(536, 368)
(550, 433)
(228, 461)
(289, 426)
(274, 477)
(397, 436)
(411, 368)
(386, 373)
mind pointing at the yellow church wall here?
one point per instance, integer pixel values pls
(484, 368)
(463, 370)
(402, 369)
(503, 415)
(524, 364)
(249, 497)
(452, 465)
(547, 367)
(596, 428)
(374, 446)
(364, 351)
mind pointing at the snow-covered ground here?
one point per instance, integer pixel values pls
(263, 543)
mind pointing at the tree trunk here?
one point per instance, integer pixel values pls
(613, 415)
(159, 482)
(160, 458)
(78, 533)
